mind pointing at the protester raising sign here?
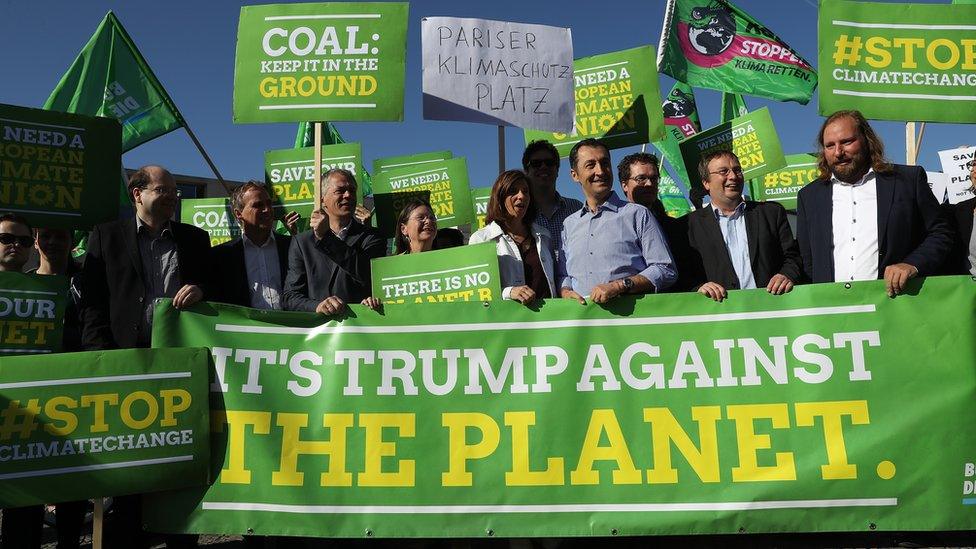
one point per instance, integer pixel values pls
(443, 183)
(496, 72)
(898, 61)
(393, 162)
(465, 273)
(616, 101)
(213, 215)
(956, 164)
(103, 423)
(713, 44)
(320, 61)
(31, 313)
(59, 170)
(751, 137)
(782, 185)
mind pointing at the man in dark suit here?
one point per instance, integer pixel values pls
(742, 244)
(328, 266)
(865, 218)
(130, 263)
(251, 269)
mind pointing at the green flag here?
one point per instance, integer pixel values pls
(733, 106)
(110, 78)
(713, 44)
(680, 121)
(306, 135)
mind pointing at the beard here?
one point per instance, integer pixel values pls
(856, 167)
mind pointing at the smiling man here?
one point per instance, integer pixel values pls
(609, 247)
(540, 161)
(742, 244)
(865, 218)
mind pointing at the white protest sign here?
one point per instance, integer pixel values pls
(500, 73)
(955, 165)
(937, 182)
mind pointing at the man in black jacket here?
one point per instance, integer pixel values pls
(251, 269)
(328, 266)
(742, 244)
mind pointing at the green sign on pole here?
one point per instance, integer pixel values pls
(102, 423)
(213, 215)
(670, 414)
(898, 61)
(57, 169)
(290, 176)
(479, 201)
(443, 183)
(320, 61)
(617, 95)
(782, 185)
(751, 137)
(465, 273)
(391, 162)
(31, 313)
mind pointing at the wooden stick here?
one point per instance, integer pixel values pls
(206, 157)
(318, 165)
(918, 142)
(910, 151)
(98, 521)
(501, 149)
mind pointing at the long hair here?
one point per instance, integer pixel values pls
(402, 243)
(875, 147)
(503, 188)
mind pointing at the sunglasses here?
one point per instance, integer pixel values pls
(8, 239)
(547, 162)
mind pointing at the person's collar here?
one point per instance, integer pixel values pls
(558, 203)
(612, 203)
(493, 230)
(248, 242)
(867, 177)
(738, 211)
(344, 230)
(142, 226)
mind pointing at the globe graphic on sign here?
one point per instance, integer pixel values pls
(711, 40)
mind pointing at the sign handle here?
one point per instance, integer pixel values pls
(206, 157)
(98, 520)
(501, 149)
(918, 142)
(317, 130)
(911, 152)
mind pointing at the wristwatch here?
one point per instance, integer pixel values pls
(628, 284)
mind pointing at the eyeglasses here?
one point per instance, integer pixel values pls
(423, 217)
(164, 191)
(8, 239)
(724, 172)
(645, 179)
(540, 162)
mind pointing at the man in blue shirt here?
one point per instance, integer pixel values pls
(609, 247)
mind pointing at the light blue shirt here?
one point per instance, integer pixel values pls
(737, 243)
(620, 240)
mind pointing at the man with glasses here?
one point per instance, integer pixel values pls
(540, 160)
(742, 244)
(130, 263)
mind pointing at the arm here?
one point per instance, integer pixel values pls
(792, 263)
(803, 237)
(94, 302)
(295, 289)
(353, 260)
(660, 271)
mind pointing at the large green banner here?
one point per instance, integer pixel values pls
(59, 170)
(31, 313)
(102, 423)
(320, 61)
(444, 183)
(213, 215)
(616, 101)
(820, 410)
(290, 176)
(898, 61)
(783, 184)
(751, 137)
(465, 273)
(391, 162)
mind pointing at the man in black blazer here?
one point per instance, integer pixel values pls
(251, 269)
(328, 266)
(742, 244)
(865, 218)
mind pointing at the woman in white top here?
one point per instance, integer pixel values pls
(524, 261)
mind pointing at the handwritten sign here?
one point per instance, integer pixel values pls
(496, 72)
(956, 164)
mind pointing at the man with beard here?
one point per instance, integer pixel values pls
(865, 218)
(743, 244)
(609, 247)
(540, 160)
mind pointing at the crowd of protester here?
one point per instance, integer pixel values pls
(864, 218)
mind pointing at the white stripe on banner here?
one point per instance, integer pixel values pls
(841, 23)
(98, 467)
(907, 95)
(321, 106)
(102, 379)
(468, 268)
(335, 328)
(562, 508)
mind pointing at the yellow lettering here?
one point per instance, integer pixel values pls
(605, 421)
(750, 443)
(459, 451)
(666, 429)
(522, 473)
(377, 449)
(830, 414)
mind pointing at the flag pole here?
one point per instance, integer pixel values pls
(206, 157)
(918, 142)
(317, 131)
(501, 149)
(911, 153)
(98, 521)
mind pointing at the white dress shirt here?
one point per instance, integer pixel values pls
(855, 223)
(263, 273)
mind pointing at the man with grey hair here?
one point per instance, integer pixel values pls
(328, 265)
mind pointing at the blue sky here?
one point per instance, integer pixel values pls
(190, 46)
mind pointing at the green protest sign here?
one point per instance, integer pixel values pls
(616, 101)
(443, 183)
(290, 175)
(31, 313)
(479, 201)
(898, 61)
(213, 215)
(783, 184)
(670, 414)
(391, 162)
(673, 199)
(320, 61)
(59, 170)
(102, 423)
(751, 137)
(465, 273)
